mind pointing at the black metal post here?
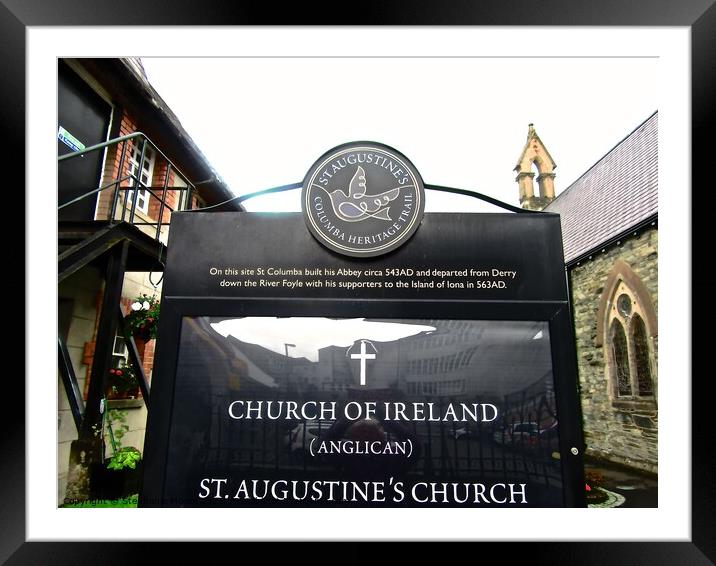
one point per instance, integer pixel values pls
(134, 358)
(69, 380)
(133, 181)
(119, 182)
(164, 199)
(187, 197)
(88, 449)
(106, 332)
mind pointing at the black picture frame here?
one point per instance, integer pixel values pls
(699, 15)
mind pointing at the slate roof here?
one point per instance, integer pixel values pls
(613, 196)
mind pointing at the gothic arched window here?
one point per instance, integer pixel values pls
(642, 362)
(626, 328)
(620, 358)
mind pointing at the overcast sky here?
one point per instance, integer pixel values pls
(463, 122)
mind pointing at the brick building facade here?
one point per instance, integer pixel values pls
(170, 173)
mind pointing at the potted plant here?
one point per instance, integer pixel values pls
(143, 319)
(118, 476)
(125, 458)
(122, 383)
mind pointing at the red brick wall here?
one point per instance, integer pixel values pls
(114, 156)
(148, 359)
(172, 197)
(111, 166)
(144, 349)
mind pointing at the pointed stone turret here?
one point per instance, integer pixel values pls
(535, 153)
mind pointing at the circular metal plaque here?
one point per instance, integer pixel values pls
(363, 199)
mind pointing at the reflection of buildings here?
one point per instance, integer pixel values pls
(460, 358)
(500, 362)
(231, 366)
(491, 359)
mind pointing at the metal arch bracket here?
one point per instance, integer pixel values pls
(438, 188)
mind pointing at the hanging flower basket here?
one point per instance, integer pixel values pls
(143, 319)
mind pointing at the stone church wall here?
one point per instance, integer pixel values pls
(620, 431)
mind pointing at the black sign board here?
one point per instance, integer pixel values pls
(441, 374)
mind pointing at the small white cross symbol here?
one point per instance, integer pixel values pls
(363, 356)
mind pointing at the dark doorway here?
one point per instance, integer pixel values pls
(83, 120)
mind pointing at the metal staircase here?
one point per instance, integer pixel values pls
(120, 241)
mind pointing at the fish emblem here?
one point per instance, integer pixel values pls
(357, 205)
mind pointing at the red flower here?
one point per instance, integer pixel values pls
(119, 372)
(111, 371)
(586, 485)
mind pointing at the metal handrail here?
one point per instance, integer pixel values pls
(114, 141)
(185, 197)
(99, 190)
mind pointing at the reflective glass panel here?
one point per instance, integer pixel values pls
(363, 412)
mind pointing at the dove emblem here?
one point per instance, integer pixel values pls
(358, 205)
(362, 199)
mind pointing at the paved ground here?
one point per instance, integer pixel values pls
(638, 489)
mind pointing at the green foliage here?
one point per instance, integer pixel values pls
(117, 421)
(117, 428)
(124, 458)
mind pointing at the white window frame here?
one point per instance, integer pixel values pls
(149, 161)
(120, 352)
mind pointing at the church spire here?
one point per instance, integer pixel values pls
(535, 154)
